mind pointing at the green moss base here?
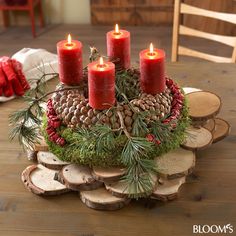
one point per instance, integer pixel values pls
(78, 151)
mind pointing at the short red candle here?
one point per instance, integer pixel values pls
(152, 70)
(118, 47)
(70, 61)
(101, 82)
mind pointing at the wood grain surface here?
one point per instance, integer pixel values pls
(207, 198)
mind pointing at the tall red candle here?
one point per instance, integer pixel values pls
(70, 61)
(118, 47)
(152, 70)
(101, 82)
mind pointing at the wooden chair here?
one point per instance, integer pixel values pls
(178, 29)
(29, 6)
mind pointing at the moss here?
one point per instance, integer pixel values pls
(81, 151)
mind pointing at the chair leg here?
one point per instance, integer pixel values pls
(32, 18)
(41, 18)
(5, 18)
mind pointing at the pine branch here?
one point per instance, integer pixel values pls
(138, 179)
(105, 138)
(140, 128)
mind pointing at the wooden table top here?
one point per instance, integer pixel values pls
(209, 198)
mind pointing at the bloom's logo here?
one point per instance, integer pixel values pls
(213, 229)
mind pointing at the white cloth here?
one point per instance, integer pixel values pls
(188, 90)
(35, 62)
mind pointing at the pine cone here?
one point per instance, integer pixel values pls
(158, 105)
(73, 108)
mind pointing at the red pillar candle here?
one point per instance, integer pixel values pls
(70, 61)
(101, 82)
(118, 47)
(152, 70)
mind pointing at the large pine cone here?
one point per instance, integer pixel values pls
(72, 107)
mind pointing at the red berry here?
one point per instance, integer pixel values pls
(150, 137)
(157, 142)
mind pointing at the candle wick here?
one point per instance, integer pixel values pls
(101, 65)
(117, 33)
(151, 54)
(69, 44)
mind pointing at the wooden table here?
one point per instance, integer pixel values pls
(210, 197)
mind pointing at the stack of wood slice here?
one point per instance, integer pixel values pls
(102, 189)
(206, 127)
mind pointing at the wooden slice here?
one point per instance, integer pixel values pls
(78, 177)
(108, 174)
(51, 161)
(197, 138)
(188, 90)
(40, 180)
(210, 125)
(222, 130)
(203, 105)
(175, 164)
(120, 188)
(167, 189)
(101, 199)
(41, 146)
(198, 123)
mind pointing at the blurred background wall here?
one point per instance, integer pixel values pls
(58, 11)
(129, 12)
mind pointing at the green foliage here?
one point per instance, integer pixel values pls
(127, 84)
(138, 178)
(97, 147)
(26, 122)
(140, 128)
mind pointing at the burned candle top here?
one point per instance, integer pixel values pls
(152, 53)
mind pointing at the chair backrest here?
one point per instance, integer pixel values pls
(178, 29)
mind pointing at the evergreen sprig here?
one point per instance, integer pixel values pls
(140, 128)
(26, 122)
(140, 170)
(126, 84)
(104, 138)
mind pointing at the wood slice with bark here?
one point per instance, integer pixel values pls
(101, 199)
(168, 190)
(203, 105)
(40, 180)
(222, 130)
(108, 174)
(50, 161)
(210, 125)
(41, 145)
(176, 163)
(78, 177)
(120, 188)
(197, 138)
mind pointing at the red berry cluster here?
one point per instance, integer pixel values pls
(177, 102)
(53, 123)
(152, 138)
